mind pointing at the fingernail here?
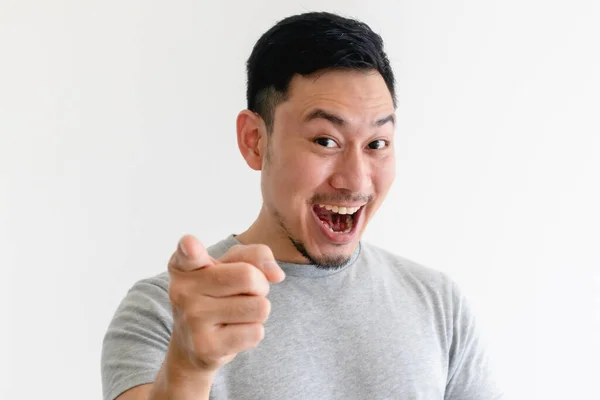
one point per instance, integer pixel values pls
(181, 248)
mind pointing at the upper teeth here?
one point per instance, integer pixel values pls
(340, 210)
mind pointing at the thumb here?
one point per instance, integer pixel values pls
(191, 255)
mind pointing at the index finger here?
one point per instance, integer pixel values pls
(190, 255)
(258, 255)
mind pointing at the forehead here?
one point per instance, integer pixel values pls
(355, 94)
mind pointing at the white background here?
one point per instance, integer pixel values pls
(117, 136)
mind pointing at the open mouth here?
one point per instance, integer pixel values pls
(337, 219)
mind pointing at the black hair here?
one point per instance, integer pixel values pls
(304, 44)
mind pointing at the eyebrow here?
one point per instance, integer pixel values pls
(339, 121)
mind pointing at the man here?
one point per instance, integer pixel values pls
(343, 319)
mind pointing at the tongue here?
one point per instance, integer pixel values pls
(335, 221)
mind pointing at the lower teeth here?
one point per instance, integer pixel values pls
(348, 229)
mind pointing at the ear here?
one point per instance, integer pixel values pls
(251, 138)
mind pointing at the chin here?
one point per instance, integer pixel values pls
(329, 255)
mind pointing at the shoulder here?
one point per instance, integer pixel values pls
(433, 290)
(406, 269)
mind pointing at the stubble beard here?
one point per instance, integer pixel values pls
(330, 263)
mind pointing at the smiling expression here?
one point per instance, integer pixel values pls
(329, 161)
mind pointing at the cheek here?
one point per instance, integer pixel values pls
(385, 175)
(293, 178)
(304, 172)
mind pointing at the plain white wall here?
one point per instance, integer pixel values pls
(117, 136)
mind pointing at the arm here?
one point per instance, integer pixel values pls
(177, 332)
(161, 389)
(137, 359)
(470, 374)
(137, 340)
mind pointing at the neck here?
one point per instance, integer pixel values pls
(266, 230)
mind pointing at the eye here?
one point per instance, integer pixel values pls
(378, 144)
(325, 142)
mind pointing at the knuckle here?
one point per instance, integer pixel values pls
(241, 308)
(223, 276)
(236, 249)
(247, 275)
(194, 313)
(262, 251)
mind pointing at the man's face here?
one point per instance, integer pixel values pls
(330, 161)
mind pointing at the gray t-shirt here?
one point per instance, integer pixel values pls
(381, 327)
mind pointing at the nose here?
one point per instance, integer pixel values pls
(352, 172)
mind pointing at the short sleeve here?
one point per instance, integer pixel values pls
(137, 338)
(470, 372)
